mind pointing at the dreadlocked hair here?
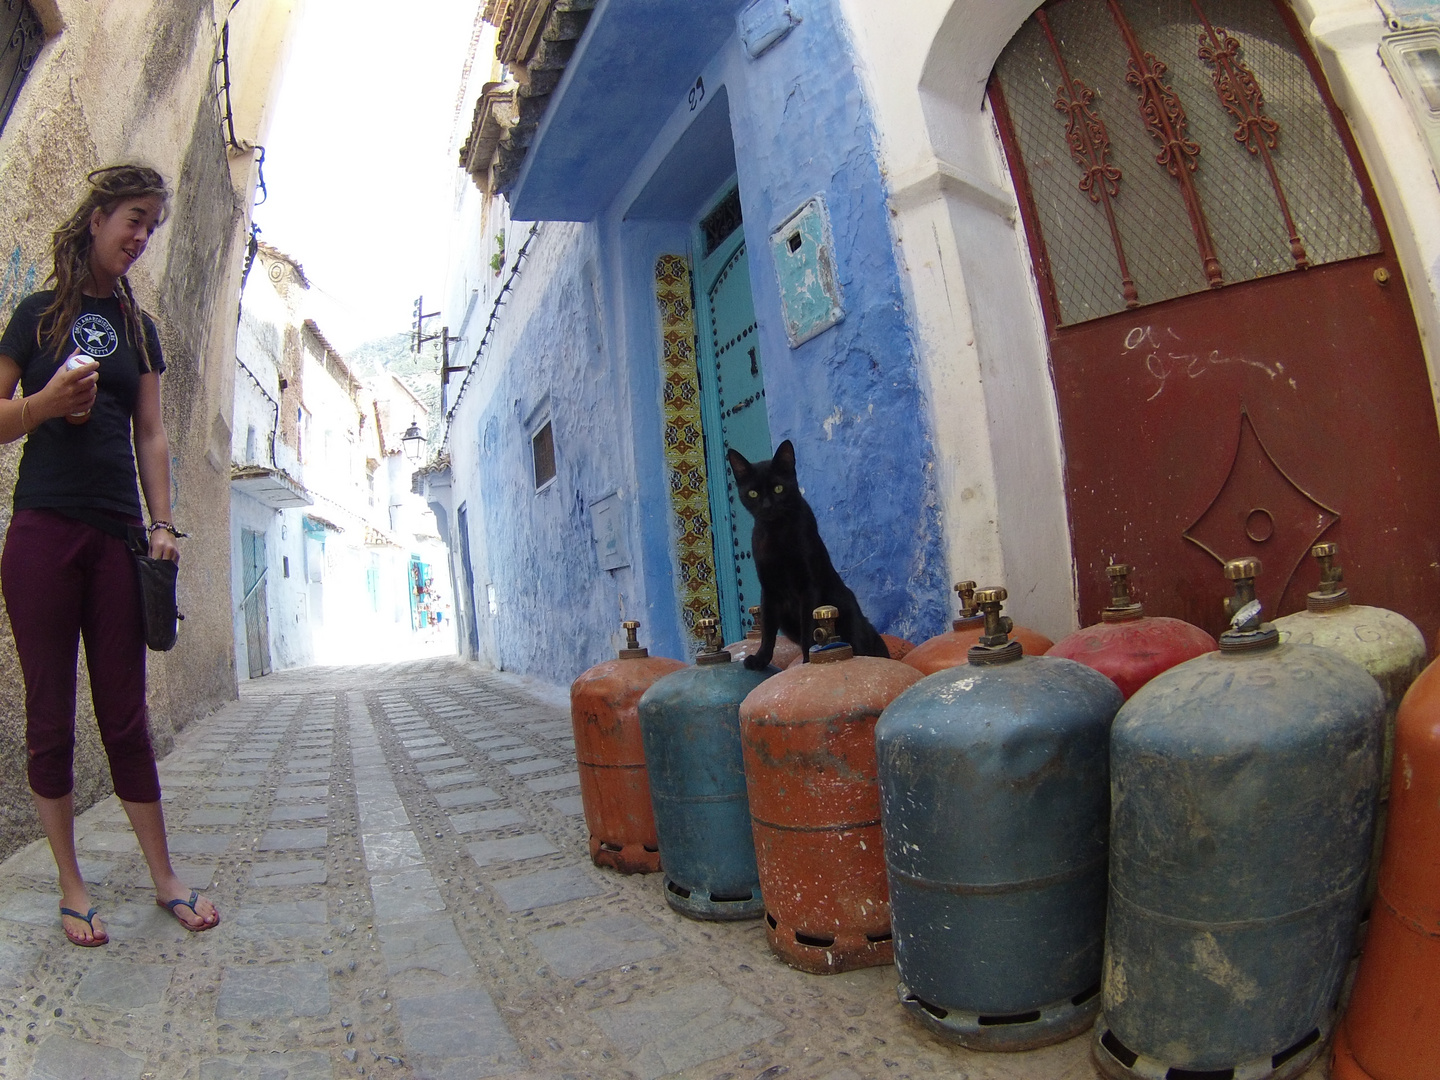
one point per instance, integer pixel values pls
(109, 187)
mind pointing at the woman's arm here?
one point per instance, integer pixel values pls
(66, 392)
(152, 459)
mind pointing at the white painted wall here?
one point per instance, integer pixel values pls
(1346, 35)
(983, 354)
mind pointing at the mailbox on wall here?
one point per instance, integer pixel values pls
(804, 253)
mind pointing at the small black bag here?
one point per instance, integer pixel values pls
(157, 601)
(158, 612)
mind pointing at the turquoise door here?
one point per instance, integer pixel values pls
(732, 383)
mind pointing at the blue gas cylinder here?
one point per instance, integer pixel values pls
(690, 724)
(1243, 787)
(995, 803)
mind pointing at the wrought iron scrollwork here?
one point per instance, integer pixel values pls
(1165, 119)
(1089, 143)
(1243, 99)
(22, 34)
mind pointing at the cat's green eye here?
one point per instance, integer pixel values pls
(779, 488)
(753, 494)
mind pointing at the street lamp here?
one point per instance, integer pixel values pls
(413, 441)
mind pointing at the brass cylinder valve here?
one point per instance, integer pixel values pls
(1332, 593)
(1247, 631)
(712, 652)
(1121, 608)
(632, 649)
(828, 647)
(970, 615)
(757, 627)
(995, 646)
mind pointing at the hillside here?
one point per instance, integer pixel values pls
(420, 373)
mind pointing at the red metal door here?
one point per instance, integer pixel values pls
(1236, 360)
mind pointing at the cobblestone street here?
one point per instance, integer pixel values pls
(400, 859)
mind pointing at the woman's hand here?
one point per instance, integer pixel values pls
(163, 546)
(68, 391)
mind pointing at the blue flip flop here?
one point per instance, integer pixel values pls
(89, 920)
(194, 896)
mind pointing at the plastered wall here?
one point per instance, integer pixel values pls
(577, 343)
(120, 81)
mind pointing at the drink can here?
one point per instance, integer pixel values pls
(77, 361)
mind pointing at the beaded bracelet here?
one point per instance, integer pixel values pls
(154, 525)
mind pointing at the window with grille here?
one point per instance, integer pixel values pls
(21, 36)
(1172, 146)
(542, 447)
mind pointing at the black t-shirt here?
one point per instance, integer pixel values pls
(90, 464)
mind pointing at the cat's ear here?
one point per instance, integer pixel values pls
(740, 466)
(785, 455)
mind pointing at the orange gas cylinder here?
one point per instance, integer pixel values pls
(614, 787)
(786, 651)
(809, 740)
(1392, 1028)
(1126, 646)
(952, 648)
(898, 646)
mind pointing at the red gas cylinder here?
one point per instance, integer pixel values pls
(614, 787)
(898, 646)
(809, 740)
(1126, 646)
(786, 651)
(952, 648)
(1392, 1028)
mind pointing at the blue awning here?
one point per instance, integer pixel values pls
(635, 64)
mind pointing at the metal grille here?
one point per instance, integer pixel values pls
(1314, 168)
(1082, 259)
(542, 446)
(1240, 203)
(1239, 200)
(722, 221)
(21, 36)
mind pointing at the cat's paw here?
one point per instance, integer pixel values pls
(754, 663)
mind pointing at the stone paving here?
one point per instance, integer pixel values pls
(400, 858)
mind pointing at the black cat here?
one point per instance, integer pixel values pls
(796, 575)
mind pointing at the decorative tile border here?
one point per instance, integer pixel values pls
(685, 441)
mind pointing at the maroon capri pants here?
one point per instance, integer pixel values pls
(63, 579)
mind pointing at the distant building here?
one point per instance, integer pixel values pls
(334, 558)
(1032, 288)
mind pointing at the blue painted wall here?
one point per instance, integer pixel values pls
(578, 340)
(549, 361)
(850, 398)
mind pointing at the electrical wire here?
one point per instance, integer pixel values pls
(489, 328)
(275, 434)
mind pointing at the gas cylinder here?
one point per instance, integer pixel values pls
(1392, 1028)
(953, 647)
(809, 741)
(899, 648)
(1129, 646)
(786, 651)
(994, 798)
(1386, 644)
(614, 788)
(690, 721)
(1243, 788)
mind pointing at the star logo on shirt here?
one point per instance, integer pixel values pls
(94, 335)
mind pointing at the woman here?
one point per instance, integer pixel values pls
(65, 572)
